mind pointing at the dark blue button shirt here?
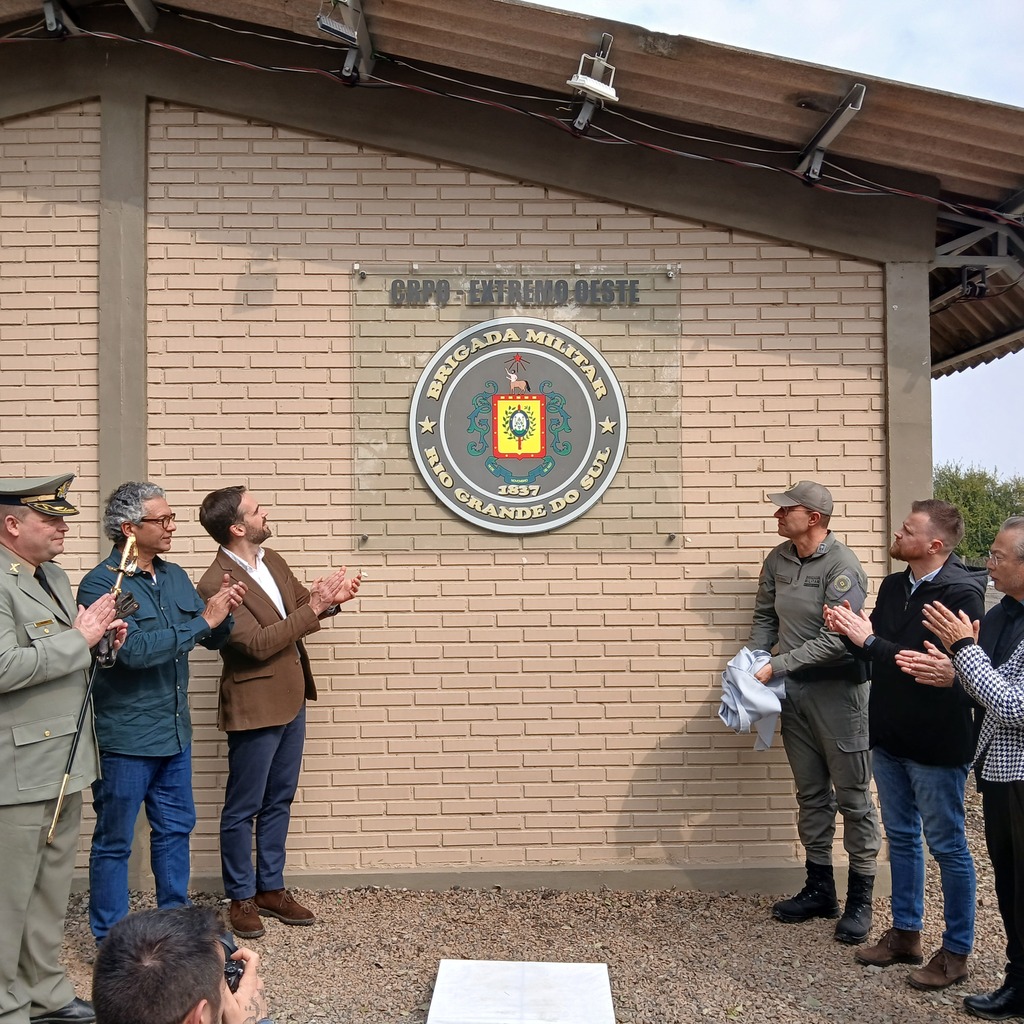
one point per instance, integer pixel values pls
(141, 703)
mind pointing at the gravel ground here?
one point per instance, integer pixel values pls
(673, 956)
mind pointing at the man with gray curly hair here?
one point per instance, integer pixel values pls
(141, 704)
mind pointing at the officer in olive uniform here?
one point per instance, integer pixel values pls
(825, 713)
(45, 642)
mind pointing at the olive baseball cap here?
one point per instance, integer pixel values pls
(816, 497)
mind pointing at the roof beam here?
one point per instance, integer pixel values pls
(952, 362)
(1005, 235)
(992, 262)
(1014, 205)
(956, 245)
(946, 299)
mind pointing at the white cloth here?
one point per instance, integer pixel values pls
(747, 701)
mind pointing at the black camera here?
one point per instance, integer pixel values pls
(233, 969)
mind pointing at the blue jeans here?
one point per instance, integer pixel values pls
(915, 796)
(164, 784)
(263, 773)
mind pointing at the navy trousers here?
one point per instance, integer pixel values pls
(263, 774)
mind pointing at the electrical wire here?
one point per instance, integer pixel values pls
(560, 100)
(478, 100)
(836, 179)
(82, 33)
(966, 209)
(185, 16)
(699, 138)
(23, 32)
(989, 293)
(467, 85)
(1006, 287)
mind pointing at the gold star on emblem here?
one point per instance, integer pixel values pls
(427, 426)
(607, 426)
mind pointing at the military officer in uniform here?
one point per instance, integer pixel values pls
(45, 656)
(825, 713)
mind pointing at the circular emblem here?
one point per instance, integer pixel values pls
(842, 584)
(518, 425)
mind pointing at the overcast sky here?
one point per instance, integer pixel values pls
(941, 44)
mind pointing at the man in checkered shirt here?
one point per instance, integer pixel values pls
(996, 680)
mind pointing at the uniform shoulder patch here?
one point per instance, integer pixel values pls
(846, 587)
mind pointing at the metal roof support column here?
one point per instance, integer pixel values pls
(908, 397)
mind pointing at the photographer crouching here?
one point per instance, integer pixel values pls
(176, 966)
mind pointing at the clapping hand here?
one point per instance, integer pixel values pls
(323, 594)
(224, 602)
(929, 667)
(950, 628)
(841, 618)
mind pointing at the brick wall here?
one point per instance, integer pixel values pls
(497, 701)
(49, 233)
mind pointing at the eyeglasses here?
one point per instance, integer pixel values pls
(784, 510)
(995, 557)
(163, 521)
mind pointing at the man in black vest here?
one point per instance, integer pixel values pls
(922, 741)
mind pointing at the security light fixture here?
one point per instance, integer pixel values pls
(592, 85)
(345, 21)
(338, 29)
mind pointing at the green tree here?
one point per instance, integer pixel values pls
(984, 500)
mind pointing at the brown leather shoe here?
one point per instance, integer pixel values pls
(245, 919)
(944, 969)
(896, 946)
(282, 904)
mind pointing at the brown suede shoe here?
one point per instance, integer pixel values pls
(944, 969)
(281, 904)
(245, 919)
(896, 946)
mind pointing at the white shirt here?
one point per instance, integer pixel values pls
(261, 575)
(914, 584)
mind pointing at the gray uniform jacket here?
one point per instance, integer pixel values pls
(787, 609)
(44, 666)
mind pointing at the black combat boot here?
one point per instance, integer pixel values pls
(855, 923)
(816, 899)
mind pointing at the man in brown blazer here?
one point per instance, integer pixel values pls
(264, 686)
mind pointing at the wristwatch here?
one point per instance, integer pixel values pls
(869, 640)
